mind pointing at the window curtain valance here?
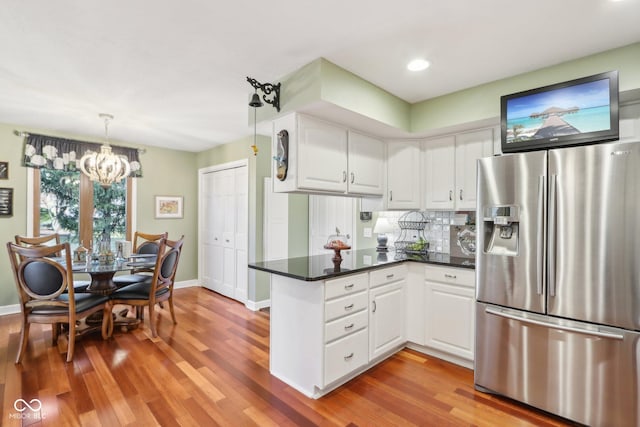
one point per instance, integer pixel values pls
(48, 152)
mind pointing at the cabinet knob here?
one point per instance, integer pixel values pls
(353, 177)
(348, 307)
(344, 176)
(460, 194)
(348, 357)
(390, 276)
(450, 195)
(391, 195)
(347, 327)
(450, 276)
(374, 306)
(349, 286)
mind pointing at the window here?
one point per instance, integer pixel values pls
(68, 203)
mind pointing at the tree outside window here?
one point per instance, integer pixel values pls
(78, 209)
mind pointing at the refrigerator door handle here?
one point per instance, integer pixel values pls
(552, 236)
(601, 334)
(540, 239)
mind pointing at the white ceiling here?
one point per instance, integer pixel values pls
(172, 72)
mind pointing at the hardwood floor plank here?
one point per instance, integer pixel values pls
(212, 368)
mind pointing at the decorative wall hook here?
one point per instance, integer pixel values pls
(270, 93)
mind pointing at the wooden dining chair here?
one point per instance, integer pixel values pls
(46, 295)
(155, 289)
(49, 240)
(143, 244)
(39, 241)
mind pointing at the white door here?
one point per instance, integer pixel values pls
(386, 324)
(326, 214)
(366, 165)
(224, 230)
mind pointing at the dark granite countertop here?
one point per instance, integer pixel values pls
(321, 267)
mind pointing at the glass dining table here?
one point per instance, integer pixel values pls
(102, 274)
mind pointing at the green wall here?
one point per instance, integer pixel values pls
(483, 102)
(166, 172)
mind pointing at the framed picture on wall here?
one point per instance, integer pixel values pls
(4, 170)
(168, 207)
(6, 202)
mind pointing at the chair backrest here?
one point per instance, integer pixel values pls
(40, 241)
(39, 278)
(144, 243)
(164, 273)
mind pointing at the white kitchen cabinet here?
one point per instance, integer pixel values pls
(450, 169)
(439, 167)
(366, 165)
(325, 158)
(386, 311)
(403, 175)
(450, 311)
(469, 148)
(322, 159)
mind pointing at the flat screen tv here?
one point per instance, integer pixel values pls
(577, 112)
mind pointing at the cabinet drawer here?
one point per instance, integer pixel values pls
(346, 325)
(387, 275)
(345, 285)
(345, 305)
(453, 276)
(345, 355)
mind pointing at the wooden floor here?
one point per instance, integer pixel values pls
(212, 368)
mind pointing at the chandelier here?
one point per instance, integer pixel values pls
(105, 167)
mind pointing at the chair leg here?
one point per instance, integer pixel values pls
(71, 338)
(24, 337)
(55, 332)
(173, 314)
(152, 322)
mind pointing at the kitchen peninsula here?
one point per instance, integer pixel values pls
(331, 322)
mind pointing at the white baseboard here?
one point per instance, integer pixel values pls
(185, 284)
(258, 305)
(9, 309)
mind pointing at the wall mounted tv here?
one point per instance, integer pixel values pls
(577, 112)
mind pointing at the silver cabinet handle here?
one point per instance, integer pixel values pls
(390, 276)
(215, 238)
(226, 240)
(348, 307)
(450, 195)
(349, 286)
(391, 195)
(344, 176)
(353, 177)
(375, 306)
(347, 327)
(348, 357)
(450, 276)
(460, 194)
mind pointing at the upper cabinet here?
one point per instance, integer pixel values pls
(403, 175)
(326, 158)
(450, 169)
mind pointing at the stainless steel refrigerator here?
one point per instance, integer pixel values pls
(558, 281)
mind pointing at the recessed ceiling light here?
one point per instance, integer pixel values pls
(418, 65)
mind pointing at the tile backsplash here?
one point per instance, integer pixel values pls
(437, 230)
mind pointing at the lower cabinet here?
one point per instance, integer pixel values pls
(386, 311)
(449, 311)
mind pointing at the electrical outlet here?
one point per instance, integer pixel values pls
(367, 232)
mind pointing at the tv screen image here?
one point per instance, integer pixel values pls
(570, 113)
